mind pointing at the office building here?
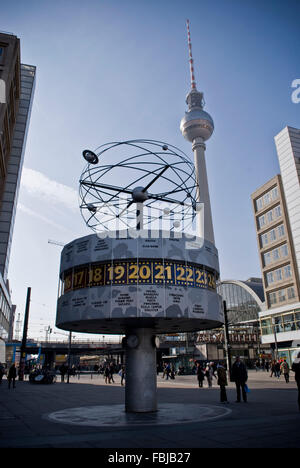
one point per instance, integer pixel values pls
(275, 244)
(288, 149)
(17, 88)
(276, 208)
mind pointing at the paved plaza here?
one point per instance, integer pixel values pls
(87, 413)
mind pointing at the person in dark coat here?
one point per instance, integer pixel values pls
(63, 370)
(239, 375)
(12, 374)
(2, 372)
(222, 382)
(122, 375)
(296, 369)
(200, 375)
(277, 369)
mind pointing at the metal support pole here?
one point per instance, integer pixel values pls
(275, 338)
(227, 344)
(139, 216)
(24, 339)
(69, 356)
(140, 382)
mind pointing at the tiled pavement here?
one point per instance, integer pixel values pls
(269, 419)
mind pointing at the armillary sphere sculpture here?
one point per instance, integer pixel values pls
(137, 184)
(139, 274)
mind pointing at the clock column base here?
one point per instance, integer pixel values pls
(140, 377)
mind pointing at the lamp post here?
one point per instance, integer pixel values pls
(226, 337)
(69, 356)
(24, 339)
(275, 338)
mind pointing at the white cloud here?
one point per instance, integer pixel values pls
(40, 217)
(39, 185)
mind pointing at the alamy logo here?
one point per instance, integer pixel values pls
(296, 94)
(2, 92)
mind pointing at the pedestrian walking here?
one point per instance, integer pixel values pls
(200, 375)
(2, 372)
(107, 375)
(296, 369)
(111, 373)
(272, 368)
(168, 370)
(209, 374)
(11, 377)
(277, 369)
(122, 375)
(285, 370)
(63, 370)
(239, 376)
(222, 382)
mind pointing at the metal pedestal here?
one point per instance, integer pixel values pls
(141, 389)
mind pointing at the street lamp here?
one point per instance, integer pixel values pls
(227, 339)
(275, 337)
(69, 356)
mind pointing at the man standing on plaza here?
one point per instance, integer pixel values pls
(285, 369)
(11, 377)
(222, 382)
(2, 372)
(296, 369)
(239, 375)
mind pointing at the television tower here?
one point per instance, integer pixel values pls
(197, 126)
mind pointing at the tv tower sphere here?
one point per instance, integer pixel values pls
(196, 124)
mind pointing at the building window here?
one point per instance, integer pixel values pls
(270, 216)
(288, 321)
(272, 235)
(277, 211)
(267, 198)
(270, 278)
(281, 231)
(259, 204)
(274, 193)
(284, 250)
(278, 324)
(287, 271)
(261, 221)
(297, 319)
(267, 258)
(275, 255)
(281, 295)
(264, 240)
(266, 327)
(291, 293)
(272, 298)
(278, 275)
(1, 55)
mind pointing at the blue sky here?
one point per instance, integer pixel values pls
(118, 70)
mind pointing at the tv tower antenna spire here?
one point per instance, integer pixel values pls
(191, 60)
(197, 126)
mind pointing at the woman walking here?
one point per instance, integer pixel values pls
(209, 374)
(222, 382)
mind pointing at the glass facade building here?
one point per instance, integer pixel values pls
(15, 109)
(244, 299)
